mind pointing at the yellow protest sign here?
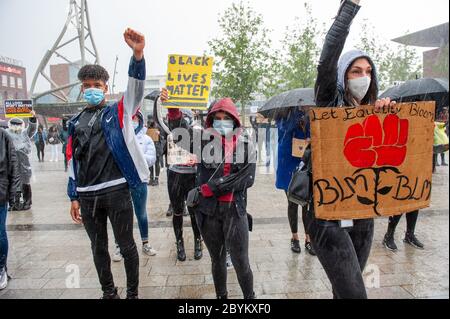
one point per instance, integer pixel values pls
(189, 81)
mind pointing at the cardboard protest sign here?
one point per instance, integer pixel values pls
(298, 147)
(18, 108)
(368, 164)
(177, 155)
(153, 133)
(189, 81)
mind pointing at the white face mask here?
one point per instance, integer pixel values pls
(358, 87)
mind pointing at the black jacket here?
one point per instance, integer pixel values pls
(241, 177)
(328, 90)
(9, 170)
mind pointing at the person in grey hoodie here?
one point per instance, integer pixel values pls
(349, 81)
(22, 140)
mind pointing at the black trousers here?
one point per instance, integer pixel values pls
(118, 207)
(40, 151)
(411, 220)
(179, 186)
(343, 253)
(226, 230)
(155, 169)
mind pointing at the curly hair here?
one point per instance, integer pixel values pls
(93, 72)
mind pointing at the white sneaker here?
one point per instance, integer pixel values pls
(117, 256)
(3, 279)
(148, 250)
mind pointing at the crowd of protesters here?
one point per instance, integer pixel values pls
(112, 157)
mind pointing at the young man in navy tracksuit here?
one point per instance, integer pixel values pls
(105, 161)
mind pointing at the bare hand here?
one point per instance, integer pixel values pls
(135, 41)
(75, 212)
(193, 160)
(33, 113)
(164, 95)
(379, 104)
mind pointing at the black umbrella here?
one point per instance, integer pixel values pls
(278, 105)
(427, 89)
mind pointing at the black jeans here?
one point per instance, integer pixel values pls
(226, 230)
(118, 207)
(179, 186)
(40, 150)
(411, 220)
(155, 169)
(343, 253)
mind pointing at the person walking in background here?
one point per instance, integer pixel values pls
(64, 138)
(295, 126)
(443, 118)
(154, 132)
(40, 139)
(22, 140)
(410, 237)
(139, 193)
(53, 140)
(440, 142)
(10, 185)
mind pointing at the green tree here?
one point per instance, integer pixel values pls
(441, 66)
(301, 52)
(242, 54)
(394, 62)
(403, 64)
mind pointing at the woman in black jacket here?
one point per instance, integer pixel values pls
(347, 81)
(224, 174)
(10, 185)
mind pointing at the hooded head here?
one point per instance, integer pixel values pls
(360, 82)
(224, 105)
(138, 122)
(16, 125)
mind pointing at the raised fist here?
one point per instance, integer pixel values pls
(365, 144)
(135, 41)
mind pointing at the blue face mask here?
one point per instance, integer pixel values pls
(224, 127)
(94, 96)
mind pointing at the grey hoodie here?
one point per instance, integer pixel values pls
(345, 61)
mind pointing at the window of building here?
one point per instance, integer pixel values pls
(12, 82)
(19, 83)
(4, 80)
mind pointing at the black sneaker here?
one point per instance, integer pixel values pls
(309, 248)
(389, 242)
(111, 295)
(198, 254)
(295, 246)
(412, 240)
(181, 254)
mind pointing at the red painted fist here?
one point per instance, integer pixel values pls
(365, 146)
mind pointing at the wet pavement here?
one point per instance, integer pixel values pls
(50, 257)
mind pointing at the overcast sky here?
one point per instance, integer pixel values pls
(30, 27)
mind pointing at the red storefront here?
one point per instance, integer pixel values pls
(13, 81)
